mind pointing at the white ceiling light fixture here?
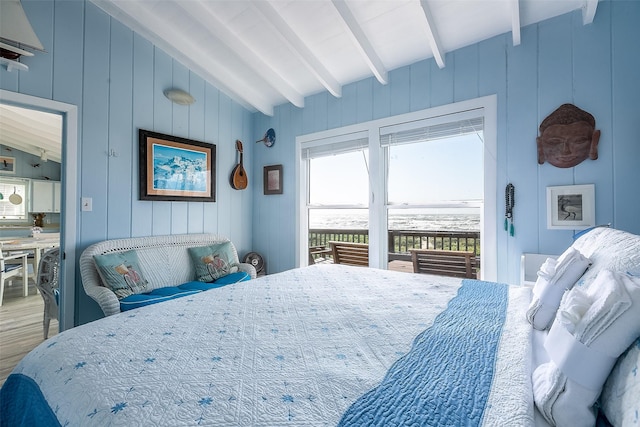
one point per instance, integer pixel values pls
(43, 155)
(179, 96)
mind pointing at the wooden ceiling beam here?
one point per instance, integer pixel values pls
(589, 11)
(166, 38)
(432, 35)
(361, 41)
(298, 47)
(515, 21)
(240, 49)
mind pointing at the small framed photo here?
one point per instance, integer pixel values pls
(273, 179)
(571, 207)
(7, 165)
(176, 169)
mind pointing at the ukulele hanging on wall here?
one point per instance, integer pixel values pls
(238, 177)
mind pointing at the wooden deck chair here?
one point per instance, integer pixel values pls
(350, 253)
(444, 263)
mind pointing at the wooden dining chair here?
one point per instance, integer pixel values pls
(10, 270)
(32, 268)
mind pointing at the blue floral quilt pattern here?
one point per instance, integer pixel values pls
(290, 349)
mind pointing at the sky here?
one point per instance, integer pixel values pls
(429, 172)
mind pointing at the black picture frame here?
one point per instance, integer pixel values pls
(272, 179)
(176, 169)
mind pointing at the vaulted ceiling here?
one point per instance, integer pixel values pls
(263, 53)
(31, 131)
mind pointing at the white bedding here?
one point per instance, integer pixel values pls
(294, 348)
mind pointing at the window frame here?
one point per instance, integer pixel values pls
(15, 182)
(377, 170)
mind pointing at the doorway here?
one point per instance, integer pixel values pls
(69, 180)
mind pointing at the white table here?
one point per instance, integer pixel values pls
(36, 244)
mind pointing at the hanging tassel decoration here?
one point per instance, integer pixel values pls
(509, 203)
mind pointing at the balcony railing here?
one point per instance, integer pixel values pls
(400, 241)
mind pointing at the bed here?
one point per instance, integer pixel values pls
(321, 345)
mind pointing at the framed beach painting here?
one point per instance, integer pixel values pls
(176, 169)
(273, 179)
(571, 207)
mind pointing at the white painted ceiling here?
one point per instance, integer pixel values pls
(263, 53)
(31, 131)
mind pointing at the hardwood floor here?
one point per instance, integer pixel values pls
(20, 326)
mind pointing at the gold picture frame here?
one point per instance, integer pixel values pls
(176, 169)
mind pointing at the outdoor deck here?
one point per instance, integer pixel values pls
(404, 266)
(400, 244)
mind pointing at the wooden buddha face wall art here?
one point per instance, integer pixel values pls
(567, 137)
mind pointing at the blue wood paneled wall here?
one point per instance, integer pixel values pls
(24, 165)
(559, 60)
(117, 79)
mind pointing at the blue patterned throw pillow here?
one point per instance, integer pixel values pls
(120, 272)
(213, 261)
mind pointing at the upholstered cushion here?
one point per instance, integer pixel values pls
(11, 267)
(153, 297)
(236, 277)
(120, 272)
(213, 261)
(172, 292)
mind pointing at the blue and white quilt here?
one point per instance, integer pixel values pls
(300, 348)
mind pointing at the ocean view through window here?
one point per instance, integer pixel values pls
(427, 181)
(414, 220)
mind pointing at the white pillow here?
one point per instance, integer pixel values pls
(620, 399)
(603, 318)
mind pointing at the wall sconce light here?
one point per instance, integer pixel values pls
(179, 96)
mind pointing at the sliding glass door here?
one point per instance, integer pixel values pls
(337, 197)
(402, 182)
(434, 184)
